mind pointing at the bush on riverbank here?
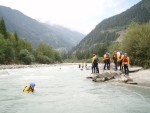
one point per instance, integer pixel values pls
(137, 44)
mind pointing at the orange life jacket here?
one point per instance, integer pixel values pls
(126, 60)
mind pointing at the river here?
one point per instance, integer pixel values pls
(65, 89)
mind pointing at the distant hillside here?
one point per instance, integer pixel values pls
(58, 37)
(68, 37)
(111, 28)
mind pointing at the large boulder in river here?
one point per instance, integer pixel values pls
(106, 75)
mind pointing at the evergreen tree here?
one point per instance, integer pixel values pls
(3, 29)
(16, 36)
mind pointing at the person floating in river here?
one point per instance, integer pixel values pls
(106, 59)
(29, 88)
(126, 62)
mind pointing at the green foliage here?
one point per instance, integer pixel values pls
(98, 49)
(115, 47)
(46, 50)
(95, 38)
(57, 56)
(96, 43)
(43, 58)
(45, 54)
(9, 53)
(16, 36)
(3, 45)
(3, 29)
(16, 50)
(25, 56)
(137, 44)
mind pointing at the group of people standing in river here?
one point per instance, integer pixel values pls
(119, 59)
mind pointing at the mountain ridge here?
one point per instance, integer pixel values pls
(108, 30)
(37, 32)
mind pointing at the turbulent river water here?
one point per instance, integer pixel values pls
(65, 89)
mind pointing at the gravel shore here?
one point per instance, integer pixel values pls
(142, 77)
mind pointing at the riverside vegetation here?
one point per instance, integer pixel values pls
(137, 44)
(16, 50)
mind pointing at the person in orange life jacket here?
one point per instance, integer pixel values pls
(115, 59)
(106, 59)
(120, 59)
(126, 62)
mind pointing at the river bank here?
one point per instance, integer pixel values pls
(16, 66)
(141, 77)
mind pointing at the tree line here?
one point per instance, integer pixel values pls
(16, 50)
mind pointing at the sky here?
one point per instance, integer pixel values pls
(77, 15)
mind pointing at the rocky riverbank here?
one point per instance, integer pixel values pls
(137, 76)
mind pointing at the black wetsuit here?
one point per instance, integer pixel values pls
(95, 65)
(126, 69)
(120, 63)
(115, 61)
(107, 62)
